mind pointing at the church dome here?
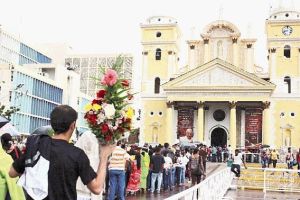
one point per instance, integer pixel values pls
(287, 12)
(161, 20)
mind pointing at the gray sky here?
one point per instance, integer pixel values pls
(112, 26)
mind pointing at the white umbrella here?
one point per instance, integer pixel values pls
(9, 128)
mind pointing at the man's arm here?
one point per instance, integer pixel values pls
(13, 173)
(97, 184)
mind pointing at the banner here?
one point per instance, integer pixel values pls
(185, 120)
(253, 126)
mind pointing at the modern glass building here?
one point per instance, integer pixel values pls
(35, 98)
(14, 51)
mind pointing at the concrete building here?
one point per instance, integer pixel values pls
(221, 94)
(14, 51)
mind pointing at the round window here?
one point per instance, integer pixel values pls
(151, 113)
(158, 34)
(160, 113)
(219, 115)
(292, 114)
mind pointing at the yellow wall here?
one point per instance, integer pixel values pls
(155, 120)
(287, 106)
(274, 30)
(167, 34)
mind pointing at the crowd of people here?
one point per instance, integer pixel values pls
(115, 170)
(150, 169)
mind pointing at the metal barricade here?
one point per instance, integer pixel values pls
(212, 188)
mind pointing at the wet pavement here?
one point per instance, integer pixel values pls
(211, 168)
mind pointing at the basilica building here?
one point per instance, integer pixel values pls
(221, 94)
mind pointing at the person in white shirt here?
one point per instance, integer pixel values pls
(237, 161)
(182, 161)
(167, 174)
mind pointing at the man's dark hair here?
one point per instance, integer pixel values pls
(6, 141)
(62, 117)
(157, 150)
(166, 145)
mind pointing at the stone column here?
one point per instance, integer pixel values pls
(192, 57)
(200, 122)
(171, 64)
(232, 128)
(243, 128)
(235, 52)
(169, 125)
(266, 123)
(206, 50)
(273, 65)
(250, 58)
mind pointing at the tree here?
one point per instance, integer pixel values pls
(7, 112)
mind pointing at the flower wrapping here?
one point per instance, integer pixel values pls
(109, 115)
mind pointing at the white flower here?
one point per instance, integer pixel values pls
(109, 111)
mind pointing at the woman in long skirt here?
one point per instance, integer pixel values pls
(135, 175)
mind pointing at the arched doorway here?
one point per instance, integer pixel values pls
(218, 137)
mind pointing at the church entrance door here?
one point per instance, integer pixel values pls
(218, 137)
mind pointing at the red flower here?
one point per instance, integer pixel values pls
(96, 101)
(125, 83)
(104, 128)
(108, 138)
(91, 118)
(101, 94)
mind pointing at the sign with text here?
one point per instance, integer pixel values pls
(253, 126)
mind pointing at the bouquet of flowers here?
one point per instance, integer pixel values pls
(109, 114)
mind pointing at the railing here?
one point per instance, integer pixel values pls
(270, 179)
(212, 188)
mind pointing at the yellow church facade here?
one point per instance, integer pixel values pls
(221, 94)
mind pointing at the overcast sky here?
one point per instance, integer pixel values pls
(112, 26)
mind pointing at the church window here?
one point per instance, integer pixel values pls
(287, 15)
(160, 113)
(220, 49)
(156, 85)
(219, 115)
(287, 80)
(158, 54)
(292, 114)
(151, 113)
(287, 51)
(158, 34)
(282, 114)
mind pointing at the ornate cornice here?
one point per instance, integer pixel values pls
(192, 47)
(200, 104)
(206, 40)
(249, 46)
(234, 40)
(273, 50)
(170, 104)
(266, 104)
(232, 104)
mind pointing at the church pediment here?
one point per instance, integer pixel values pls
(217, 74)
